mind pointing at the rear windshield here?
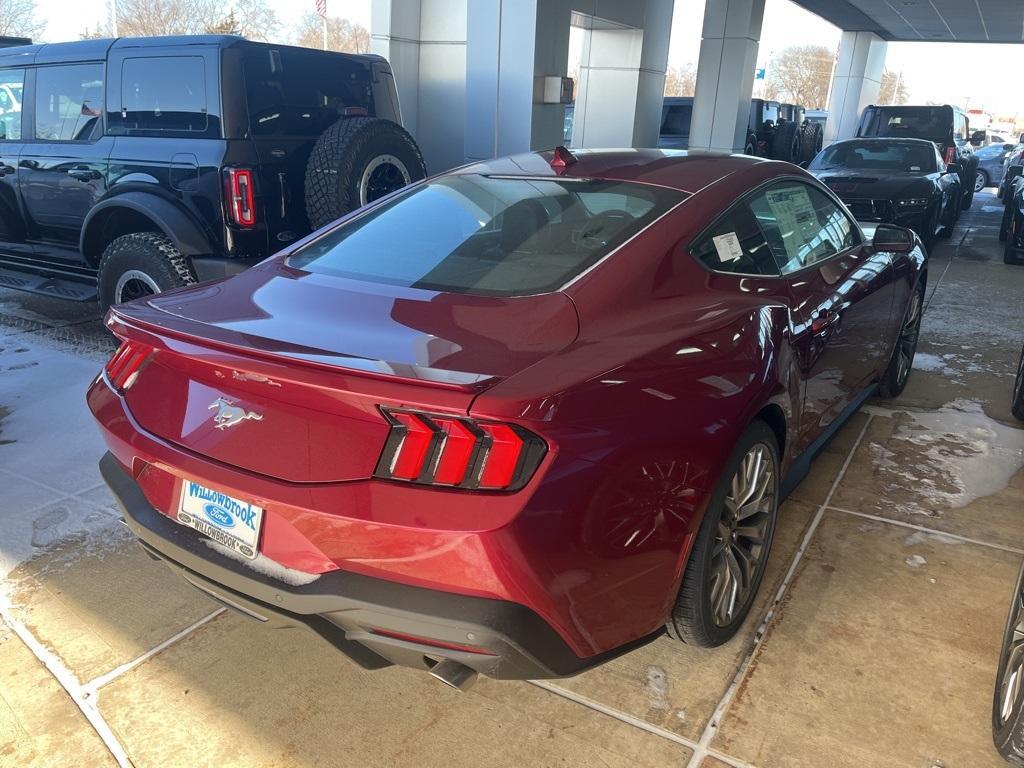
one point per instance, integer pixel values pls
(917, 123)
(487, 235)
(300, 93)
(877, 156)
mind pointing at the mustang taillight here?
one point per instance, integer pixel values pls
(458, 452)
(240, 197)
(123, 367)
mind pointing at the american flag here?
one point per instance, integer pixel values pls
(321, 8)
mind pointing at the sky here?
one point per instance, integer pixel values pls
(957, 73)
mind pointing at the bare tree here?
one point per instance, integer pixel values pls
(142, 18)
(801, 74)
(342, 34)
(252, 19)
(18, 19)
(681, 81)
(894, 88)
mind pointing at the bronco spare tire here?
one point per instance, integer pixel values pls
(356, 161)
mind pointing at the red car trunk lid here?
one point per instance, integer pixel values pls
(281, 372)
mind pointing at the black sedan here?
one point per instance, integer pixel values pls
(898, 181)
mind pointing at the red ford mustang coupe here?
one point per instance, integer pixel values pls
(515, 419)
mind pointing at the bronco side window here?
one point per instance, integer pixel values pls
(69, 102)
(12, 83)
(162, 93)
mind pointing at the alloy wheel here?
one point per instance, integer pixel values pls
(382, 176)
(980, 182)
(1012, 678)
(134, 284)
(907, 344)
(744, 531)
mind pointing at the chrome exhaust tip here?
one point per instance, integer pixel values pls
(454, 674)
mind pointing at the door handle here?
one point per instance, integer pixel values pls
(83, 173)
(826, 320)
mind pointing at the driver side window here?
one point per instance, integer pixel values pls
(802, 225)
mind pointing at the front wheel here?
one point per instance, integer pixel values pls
(980, 181)
(140, 264)
(894, 380)
(730, 554)
(1008, 697)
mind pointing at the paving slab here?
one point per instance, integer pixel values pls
(98, 601)
(39, 724)
(676, 686)
(954, 469)
(236, 694)
(884, 655)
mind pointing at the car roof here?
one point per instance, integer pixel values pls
(684, 170)
(97, 50)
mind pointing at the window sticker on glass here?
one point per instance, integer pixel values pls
(796, 217)
(728, 247)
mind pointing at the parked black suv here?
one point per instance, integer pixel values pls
(947, 126)
(141, 164)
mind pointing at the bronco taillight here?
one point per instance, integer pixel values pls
(458, 452)
(123, 367)
(950, 156)
(239, 196)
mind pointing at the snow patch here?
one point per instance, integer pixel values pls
(915, 561)
(264, 565)
(947, 458)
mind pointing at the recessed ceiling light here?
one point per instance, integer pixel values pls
(909, 2)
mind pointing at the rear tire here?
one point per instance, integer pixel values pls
(786, 142)
(750, 148)
(1008, 694)
(1017, 406)
(141, 264)
(707, 612)
(356, 161)
(896, 375)
(1004, 225)
(980, 180)
(1010, 252)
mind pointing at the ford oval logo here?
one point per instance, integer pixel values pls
(219, 515)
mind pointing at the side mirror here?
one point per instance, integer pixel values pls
(1013, 172)
(889, 237)
(1008, 147)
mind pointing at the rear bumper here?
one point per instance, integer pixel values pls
(367, 619)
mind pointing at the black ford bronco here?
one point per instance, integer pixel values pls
(137, 165)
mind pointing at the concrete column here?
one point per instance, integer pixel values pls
(725, 74)
(856, 82)
(425, 41)
(500, 77)
(622, 73)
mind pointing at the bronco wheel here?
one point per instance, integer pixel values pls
(356, 161)
(1017, 406)
(894, 380)
(729, 556)
(141, 264)
(1008, 697)
(786, 142)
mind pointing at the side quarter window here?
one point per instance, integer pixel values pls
(802, 225)
(736, 244)
(12, 85)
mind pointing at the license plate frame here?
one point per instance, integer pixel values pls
(231, 522)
